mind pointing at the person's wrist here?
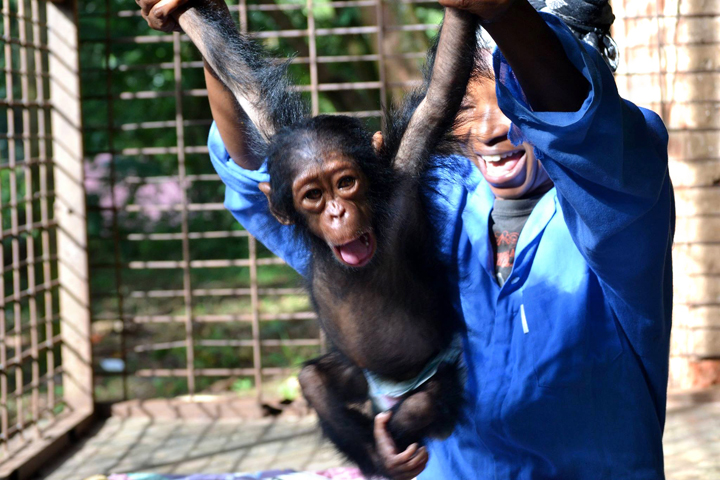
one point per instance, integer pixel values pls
(499, 15)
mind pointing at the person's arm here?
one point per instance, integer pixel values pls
(228, 114)
(550, 82)
(230, 120)
(249, 206)
(609, 164)
(608, 161)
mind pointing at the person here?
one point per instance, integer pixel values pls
(561, 239)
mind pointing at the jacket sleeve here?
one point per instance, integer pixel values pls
(249, 206)
(608, 161)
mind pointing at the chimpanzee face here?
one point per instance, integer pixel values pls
(332, 197)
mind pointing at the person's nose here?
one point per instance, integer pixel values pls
(492, 129)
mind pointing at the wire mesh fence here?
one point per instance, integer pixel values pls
(183, 300)
(30, 371)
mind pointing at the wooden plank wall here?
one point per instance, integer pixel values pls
(670, 62)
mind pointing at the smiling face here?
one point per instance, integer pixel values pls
(512, 172)
(332, 197)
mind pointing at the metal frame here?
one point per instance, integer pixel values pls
(46, 312)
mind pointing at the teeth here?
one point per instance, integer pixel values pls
(497, 158)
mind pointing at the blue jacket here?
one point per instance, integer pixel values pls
(568, 361)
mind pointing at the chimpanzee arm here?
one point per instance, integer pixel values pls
(248, 93)
(437, 111)
(259, 84)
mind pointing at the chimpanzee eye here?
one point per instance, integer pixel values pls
(313, 194)
(346, 182)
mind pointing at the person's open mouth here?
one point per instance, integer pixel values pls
(358, 252)
(502, 167)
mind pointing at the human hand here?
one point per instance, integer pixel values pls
(488, 10)
(163, 14)
(160, 14)
(398, 466)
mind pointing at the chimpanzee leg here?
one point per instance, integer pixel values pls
(338, 392)
(430, 411)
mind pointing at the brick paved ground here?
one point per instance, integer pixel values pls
(692, 446)
(692, 442)
(192, 446)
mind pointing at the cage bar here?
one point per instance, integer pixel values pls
(40, 399)
(187, 283)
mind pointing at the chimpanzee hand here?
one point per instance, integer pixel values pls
(487, 10)
(162, 14)
(398, 466)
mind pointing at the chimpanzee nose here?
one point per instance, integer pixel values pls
(335, 209)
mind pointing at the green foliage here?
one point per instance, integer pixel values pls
(242, 385)
(289, 389)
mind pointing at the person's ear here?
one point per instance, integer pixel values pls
(267, 190)
(377, 141)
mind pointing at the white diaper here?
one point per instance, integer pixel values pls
(385, 393)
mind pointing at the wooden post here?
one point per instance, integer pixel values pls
(70, 214)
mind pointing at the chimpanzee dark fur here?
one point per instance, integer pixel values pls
(395, 314)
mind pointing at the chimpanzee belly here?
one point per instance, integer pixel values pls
(380, 337)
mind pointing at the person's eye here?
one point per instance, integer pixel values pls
(313, 194)
(346, 182)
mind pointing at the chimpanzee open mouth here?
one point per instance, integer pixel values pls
(358, 252)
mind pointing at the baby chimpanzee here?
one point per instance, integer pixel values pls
(375, 278)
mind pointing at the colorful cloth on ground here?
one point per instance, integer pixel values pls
(332, 473)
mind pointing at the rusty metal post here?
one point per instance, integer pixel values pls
(117, 257)
(27, 67)
(312, 47)
(381, 56)
(254, 306)
(70, 214)
(187, 276)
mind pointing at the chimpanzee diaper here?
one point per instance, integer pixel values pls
(385, 392)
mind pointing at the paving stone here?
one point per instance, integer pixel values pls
(692, 446)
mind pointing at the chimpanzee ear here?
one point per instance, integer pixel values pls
(267, 190)
(377, 141)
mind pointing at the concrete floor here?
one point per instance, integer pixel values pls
(182, 446)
